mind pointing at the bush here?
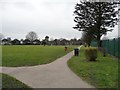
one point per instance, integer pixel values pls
(91, 53)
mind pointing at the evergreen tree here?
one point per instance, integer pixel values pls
(95, 17)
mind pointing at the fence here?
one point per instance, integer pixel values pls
(111, 46)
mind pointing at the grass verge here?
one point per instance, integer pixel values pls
(102, 74)
(9, 83)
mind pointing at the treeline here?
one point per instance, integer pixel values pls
(32, 39)
(43, 42)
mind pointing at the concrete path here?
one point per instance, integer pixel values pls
(54, 75)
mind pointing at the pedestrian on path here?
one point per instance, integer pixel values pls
(66, 48)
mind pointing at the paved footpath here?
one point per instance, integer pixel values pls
(53, 75)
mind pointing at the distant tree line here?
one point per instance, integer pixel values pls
(32, 39)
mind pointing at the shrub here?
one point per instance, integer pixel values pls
(91, 53)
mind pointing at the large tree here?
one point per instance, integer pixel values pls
(87, 37)
(31, 36)
(95, 17)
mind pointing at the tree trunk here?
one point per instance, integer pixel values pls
(88, 44)
(99, 41)
(98, 26)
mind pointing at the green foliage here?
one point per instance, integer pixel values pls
(95, 18)
(9, 82)
(102, 74)
(87, 37)
(29, 55)
(91, 53)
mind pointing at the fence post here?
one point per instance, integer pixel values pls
(108, 46)
(119, 47)
(114, 46)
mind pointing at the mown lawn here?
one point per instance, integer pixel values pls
(9, 83)
(102, 74)
(29, 55)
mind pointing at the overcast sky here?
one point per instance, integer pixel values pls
(53, 18)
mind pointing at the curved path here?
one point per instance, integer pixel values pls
(54, 75)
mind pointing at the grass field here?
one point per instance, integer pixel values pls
(102, 74)
(28, 55)
(9, 82)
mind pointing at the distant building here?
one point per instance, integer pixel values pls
(5, 42)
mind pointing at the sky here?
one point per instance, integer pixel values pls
(53, 18)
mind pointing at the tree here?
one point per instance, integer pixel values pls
(87, 37)
(43, 42)
(80, 42)
(96, 17)
(47, 39)
(73, 41)
(31, 36)
(63, 42)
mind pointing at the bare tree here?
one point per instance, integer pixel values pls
(31, 36)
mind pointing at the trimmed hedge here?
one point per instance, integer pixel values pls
(91, 53)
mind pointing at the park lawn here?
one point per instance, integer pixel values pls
(9, 82)
(102, 74)
(30, 55)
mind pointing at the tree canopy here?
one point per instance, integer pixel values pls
(31, 36)
(95, 17)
